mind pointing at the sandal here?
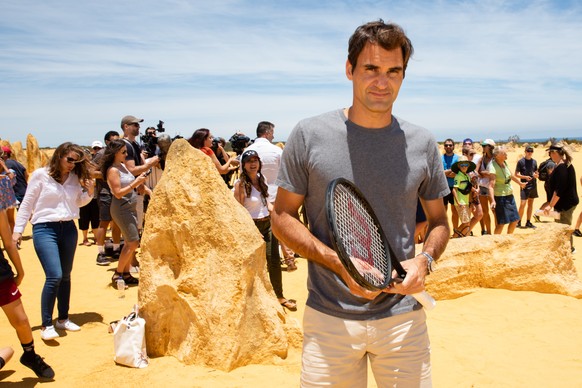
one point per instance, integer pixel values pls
(459, 233)
(290, 304)
(86, 243)
(130, 280)
(290, 262)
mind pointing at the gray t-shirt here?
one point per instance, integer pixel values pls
(392, 167)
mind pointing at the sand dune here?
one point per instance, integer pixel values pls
(491, 338)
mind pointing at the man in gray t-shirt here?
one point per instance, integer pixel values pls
(393, 163)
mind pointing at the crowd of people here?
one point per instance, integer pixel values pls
(345, 325)
(481, 186)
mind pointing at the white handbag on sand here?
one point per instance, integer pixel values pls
(129, 341)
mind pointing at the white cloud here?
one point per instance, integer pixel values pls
(70, 70)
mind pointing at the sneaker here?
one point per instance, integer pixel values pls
(529, 225)
(537, 218)
(102, 259)
(573, 250)
(37, 364)
(577, 233)
(67, 325)
(48, 333)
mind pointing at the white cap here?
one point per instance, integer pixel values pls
(96, 144)
(488, 142)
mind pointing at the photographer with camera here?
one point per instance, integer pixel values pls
(239, 142)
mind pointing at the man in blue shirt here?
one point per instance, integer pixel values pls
(450, 158)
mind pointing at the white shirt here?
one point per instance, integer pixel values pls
(49, 201)
(270, 156)
(254, 204)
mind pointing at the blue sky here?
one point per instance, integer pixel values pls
(69, 70)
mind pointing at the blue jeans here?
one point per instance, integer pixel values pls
(55, 244)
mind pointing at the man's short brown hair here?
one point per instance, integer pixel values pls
(388, 36)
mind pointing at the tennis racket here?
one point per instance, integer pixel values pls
(359, 240)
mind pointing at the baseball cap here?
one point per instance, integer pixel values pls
(6, 150)
(96, 144)
(130, 120)
(488, 142)
(249, 154)
(468, 140)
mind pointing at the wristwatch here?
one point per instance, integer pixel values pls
(429, 261)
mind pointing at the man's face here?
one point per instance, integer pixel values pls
(271, 134)
(131, 129)
(111, 138)
(449, 148)
(376, 79)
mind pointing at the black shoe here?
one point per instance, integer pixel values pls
(102, 259)
(529, 225)
(577, 233)
(37, 364)
(115, 255)
(537, 218)
(519, 224)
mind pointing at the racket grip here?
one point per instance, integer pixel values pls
(425, 300)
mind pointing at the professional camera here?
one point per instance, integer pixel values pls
(150, 140)
(239, 142)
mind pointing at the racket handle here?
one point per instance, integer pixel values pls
(425, 300)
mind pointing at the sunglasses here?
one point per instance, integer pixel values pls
(463, 164)
(449, 145)
(72, 160)
(467, 143)
(529, 151)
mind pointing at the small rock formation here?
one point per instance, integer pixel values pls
(204, 290)
(540, 261)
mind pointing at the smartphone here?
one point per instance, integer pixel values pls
(148, 172)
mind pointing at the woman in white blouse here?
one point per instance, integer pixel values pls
(251, 191)
(52, 201)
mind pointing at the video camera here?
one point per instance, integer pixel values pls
(150, 140)
(239, 142)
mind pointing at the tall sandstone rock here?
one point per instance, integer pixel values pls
(35, 158)
(539, 261)
(204, 289)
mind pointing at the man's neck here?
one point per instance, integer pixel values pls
(131, 138)
(368, 119)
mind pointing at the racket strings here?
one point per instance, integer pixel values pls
(360, 236)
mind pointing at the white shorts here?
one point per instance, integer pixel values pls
(336, 350)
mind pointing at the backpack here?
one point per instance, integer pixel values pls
(543, 170)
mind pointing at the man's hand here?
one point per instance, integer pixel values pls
(355, 288)
(416, 270)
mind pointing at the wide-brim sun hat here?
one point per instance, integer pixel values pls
(463, 159)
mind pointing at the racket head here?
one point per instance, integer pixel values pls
(357, 236)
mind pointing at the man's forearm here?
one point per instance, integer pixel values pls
(296, 236)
